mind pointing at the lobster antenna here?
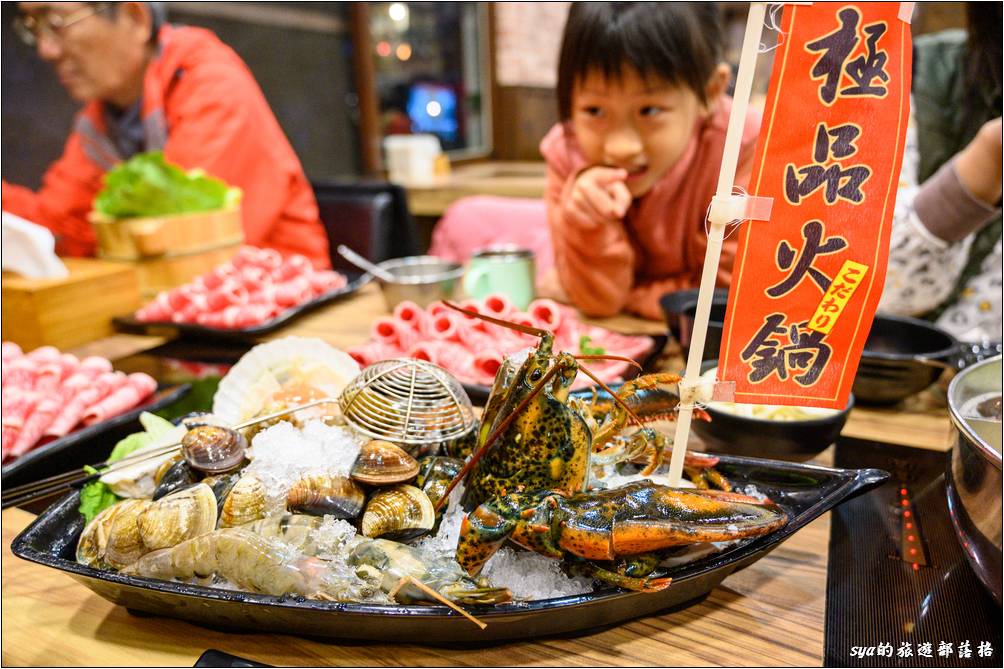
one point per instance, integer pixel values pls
(607, 356)
(525, 329)
(493, 437)
(617, 399)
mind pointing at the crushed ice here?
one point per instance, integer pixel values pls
(282, 454)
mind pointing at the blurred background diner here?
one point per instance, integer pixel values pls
(437, 110)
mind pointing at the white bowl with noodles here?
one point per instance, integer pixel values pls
(766, 431)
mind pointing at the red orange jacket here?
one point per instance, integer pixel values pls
(202, 106)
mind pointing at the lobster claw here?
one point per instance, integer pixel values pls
(482, 533)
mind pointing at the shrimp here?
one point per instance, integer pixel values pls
(252, 562)
(389, 562)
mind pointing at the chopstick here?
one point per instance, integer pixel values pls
(52, 485)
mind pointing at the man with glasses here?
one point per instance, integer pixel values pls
(146, 85)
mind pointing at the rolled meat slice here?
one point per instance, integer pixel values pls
(20, 374)
(137, 387)
(547, 313)
(474, 338)
(326, 281)
(69, 364)
(374, 351)
(10, 433)
(44, 354)
(72, 411)
(437, 307)
(444, 326)
(486, 366)
(95, 364)
(47, 380)
(293, 292)
(17, 406)
(497, 305)
(393, 331)
(10, 352)
(36, 424)
(411, 314)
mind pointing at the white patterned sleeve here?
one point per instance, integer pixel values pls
(922, 268)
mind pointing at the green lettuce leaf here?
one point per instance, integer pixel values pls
(148, 185)
(586, 349)
(96, 496)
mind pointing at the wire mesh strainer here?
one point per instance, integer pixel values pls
(407, 401)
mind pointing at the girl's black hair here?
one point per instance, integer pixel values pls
(680, 42)
(983, 50)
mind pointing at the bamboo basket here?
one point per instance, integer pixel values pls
(168, 251)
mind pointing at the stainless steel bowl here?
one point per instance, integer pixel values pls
(421, 279)
(973, 479)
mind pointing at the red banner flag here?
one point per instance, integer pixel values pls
(806, 283)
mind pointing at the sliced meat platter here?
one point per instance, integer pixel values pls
(47, 394)
(472, 349)
(256, 286)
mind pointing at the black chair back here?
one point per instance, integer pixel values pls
(370, 217)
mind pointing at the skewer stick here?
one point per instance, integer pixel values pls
(435, 595)
(718, 219)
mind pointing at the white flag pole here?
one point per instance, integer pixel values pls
(724, 209)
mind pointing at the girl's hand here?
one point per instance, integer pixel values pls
(599, 194)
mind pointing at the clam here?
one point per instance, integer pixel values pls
(94, 539)
(213, 449)
(222, 484)
(383, 463)
(398, 513)
(245, 503)
(323, 494)
(182, 515)
(125, 544)
(173, 476)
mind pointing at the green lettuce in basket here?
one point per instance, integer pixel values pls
(148, 185)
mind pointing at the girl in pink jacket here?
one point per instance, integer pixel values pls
(633, 164)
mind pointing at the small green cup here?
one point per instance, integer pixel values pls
(502, 269)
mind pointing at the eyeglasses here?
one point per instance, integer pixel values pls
(29, 27)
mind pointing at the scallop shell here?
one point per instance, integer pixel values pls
(94, 539)
(323, 494)
(182, 515)
(267, 368)
(245, 503)
(401, 512)
(383, 463)
(125, 544)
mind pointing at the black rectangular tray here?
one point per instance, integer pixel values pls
(87, 445)
(804, 491)
(131, 324)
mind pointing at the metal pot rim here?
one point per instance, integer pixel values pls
(990, 454)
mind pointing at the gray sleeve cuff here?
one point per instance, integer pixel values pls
(947, 209)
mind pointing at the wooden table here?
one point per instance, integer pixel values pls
(506, 178)
(770, 613)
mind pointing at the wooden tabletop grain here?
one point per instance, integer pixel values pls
(771, 613)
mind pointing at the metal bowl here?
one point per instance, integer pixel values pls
(973, 479)
(421, 279)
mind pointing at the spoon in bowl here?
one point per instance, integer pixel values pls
(363, 263)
